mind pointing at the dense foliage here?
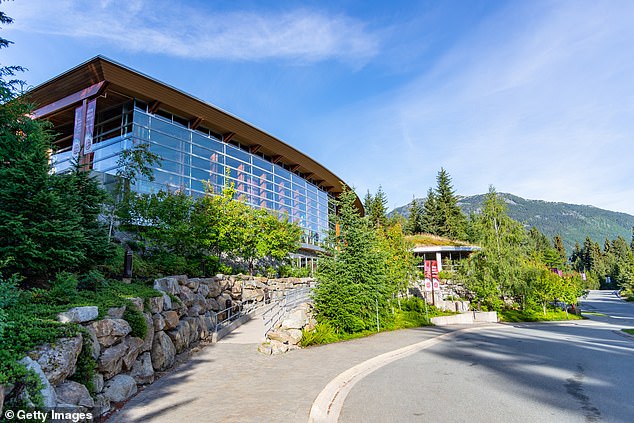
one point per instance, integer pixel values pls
(367, 263)
(514, 268)
(177, 232)
(439, 213)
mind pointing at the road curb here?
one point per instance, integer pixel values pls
(328, 404)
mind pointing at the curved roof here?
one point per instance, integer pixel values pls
(126, 81)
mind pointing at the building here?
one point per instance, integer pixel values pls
(100, 108)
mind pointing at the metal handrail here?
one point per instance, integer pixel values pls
(282, 306)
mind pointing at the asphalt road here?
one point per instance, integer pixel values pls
(581, 371)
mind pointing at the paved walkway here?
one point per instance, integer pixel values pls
(231, 382)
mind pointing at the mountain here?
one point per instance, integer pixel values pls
(573, 222)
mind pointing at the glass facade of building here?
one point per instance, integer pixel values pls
(191, 159)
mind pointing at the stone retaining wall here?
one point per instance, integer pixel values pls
(186, 313)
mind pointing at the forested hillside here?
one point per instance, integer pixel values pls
(574, 222)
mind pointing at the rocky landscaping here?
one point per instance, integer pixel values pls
(124, 359)
(287, 334)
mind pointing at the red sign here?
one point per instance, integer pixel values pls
(427, 269)
(434, 269)
(90, 125)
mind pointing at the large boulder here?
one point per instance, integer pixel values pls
(295, 320)
(95, 347)
(193, 284)
(110, 331)
(167, 302)
(149, 335)
(98, 382)
(134, 346)
(158, 322)
(171, 319)
(278, 347)
(58, 359)
(110, 361)
(214, 288)
(137, 303)
(102, 405)
(212, 304)
(236, 290)
(156, 304)
(79, 314)
(180, 335)
(168, 285)
(120, 388)
(187, 296)
(163, 351)
(116, 312)
(47, 391)
(142, 370)
(203, 289)
(73, 393)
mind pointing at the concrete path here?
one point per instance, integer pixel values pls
(231, 382)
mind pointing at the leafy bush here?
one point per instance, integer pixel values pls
(63, 289)
(323, 333)
(91, 281)
(136, 320)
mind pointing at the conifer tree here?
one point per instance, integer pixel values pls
(40, 231)
(352, 280)
(430, 217)
(450, 219)
(414, 223)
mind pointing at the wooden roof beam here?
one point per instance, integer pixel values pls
(153, 106)
(295, 168)
(255, 148)
(228, 136)
(195, 123)
(276, 159)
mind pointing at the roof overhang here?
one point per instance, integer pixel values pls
(123, 80)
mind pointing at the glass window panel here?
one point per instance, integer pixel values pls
(169, 128)
(268, 166)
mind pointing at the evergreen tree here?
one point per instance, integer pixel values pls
(40, 233)
(376, 208)
(449, 218)
(429, 219)
(352, 281)
(414, 223)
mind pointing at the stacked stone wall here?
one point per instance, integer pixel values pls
(186, 312)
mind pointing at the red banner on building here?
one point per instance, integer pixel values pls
(90, 125)
(79, 123)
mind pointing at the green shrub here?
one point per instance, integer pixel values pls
(91, 281)
(86, 364)
(63, 288)
(323, 333)
(136, 320)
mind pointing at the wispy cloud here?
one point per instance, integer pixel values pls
(298, 35)
(537, 101)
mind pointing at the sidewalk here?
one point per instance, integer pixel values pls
(231, 382)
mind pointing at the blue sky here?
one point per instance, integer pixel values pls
(533, 97)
